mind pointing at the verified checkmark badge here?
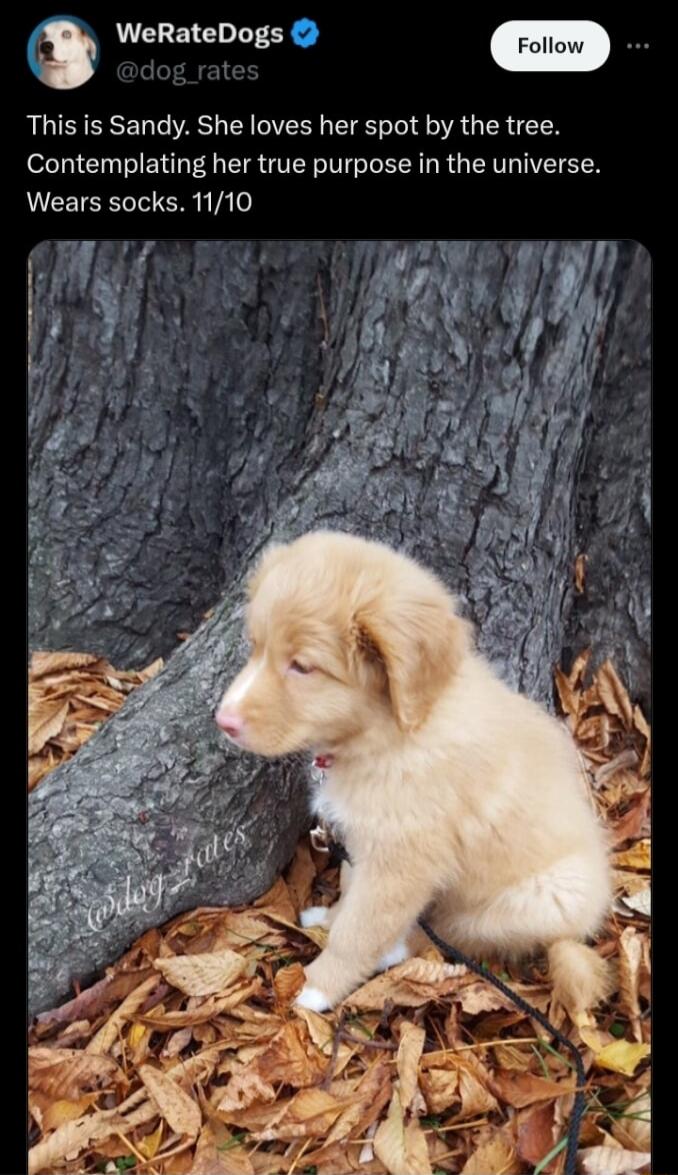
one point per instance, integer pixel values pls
(304, 33)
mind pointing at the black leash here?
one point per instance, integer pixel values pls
(579, 1097)
(338, 853)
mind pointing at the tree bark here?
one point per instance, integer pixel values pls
(457, 412)
(171, 382)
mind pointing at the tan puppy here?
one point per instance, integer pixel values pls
(65, 52)
(451, 793)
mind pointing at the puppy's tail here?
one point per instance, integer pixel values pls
(580, 977)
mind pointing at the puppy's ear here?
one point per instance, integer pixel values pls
(89, 44)
(272, 554)
(419, 639)
(37, 48)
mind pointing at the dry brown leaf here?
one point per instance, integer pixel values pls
(213, 1157)
(45, 720)
(43, 663)
(212, 1006)
(67, 1073)
(475, 1096)
(640, 901)
(440, 1088)
(637, 857)
(372, 1095)
(202, 974)
(71, 1139)
(414, 982)
(576, 674)
(310, 1114)
(243, 1089)
(496, 1157)
(148, 1145)
(291, 1057)
(482, 997)
(607, 1160)
(613, 695)
(277, 900)
(631, 824)
(288, 982)
(536, 1135)
(401, 1148)
(511, 1056)
(108, 1034)
(523, 1089)
(570, 699)
(635, 1133)
(630, 958)
(179, 1110)
(412, 1040)
(64, 1110)
(150, 671)
(300, 877)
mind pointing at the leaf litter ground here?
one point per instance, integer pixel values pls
(188, 1057)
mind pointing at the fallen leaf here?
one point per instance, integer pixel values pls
(213, 1159)
(482, 997)
(43, 663)
(300, 877)
(622, 1056)
(635, 1132)
(148, 1145)
(243, 1089)
(613, 695)
(607, 1160)
(570, 698)
(105, 1037)
(414, 982)
(64, 1110)
(496, 1157)
(640, 902)
(440, 1088)
(401, 1148)
(178, 1109)
(202, 974)
(522, 1089)
(630, 825)
(630, 958)
(70, 1072)
(288, 982)
(637, 857)
(212, 1006)
(536, 1134)
(69, 1140)
(45, 719)
(412, 1040)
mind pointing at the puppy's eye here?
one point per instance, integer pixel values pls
(66, 35)
(297, 667)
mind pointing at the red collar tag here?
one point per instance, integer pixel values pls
(323, 761)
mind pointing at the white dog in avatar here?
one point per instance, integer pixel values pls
(65, 53)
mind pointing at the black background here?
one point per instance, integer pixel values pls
(366, 64)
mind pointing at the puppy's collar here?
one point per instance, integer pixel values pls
(322, 762)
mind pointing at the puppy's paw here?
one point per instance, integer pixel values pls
(314, 916)
(396, 955)
(312, 998)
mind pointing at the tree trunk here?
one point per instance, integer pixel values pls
(459, 415)
(171, 382)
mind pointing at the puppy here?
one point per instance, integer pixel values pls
(65, 53)
(452, 794)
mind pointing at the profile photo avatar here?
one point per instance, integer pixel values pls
(63, 52)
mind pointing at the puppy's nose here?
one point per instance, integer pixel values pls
(47, 47)
(231, 723)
